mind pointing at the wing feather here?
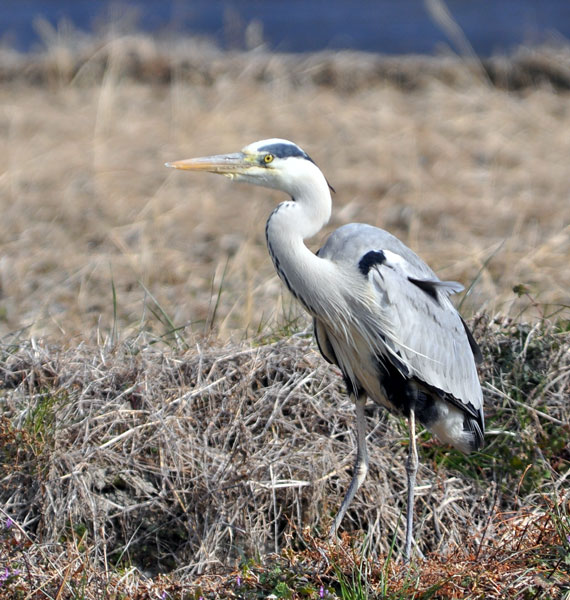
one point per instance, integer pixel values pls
(323, 342)
(432, 339)
(430, 336)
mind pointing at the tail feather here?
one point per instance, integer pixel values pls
(474, 427)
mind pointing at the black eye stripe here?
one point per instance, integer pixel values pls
(285, 151)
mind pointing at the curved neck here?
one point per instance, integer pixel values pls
(291, 223)
(310, 208)
(302, 217)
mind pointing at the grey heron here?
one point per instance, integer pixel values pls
(379, 312)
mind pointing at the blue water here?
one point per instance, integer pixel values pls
(387, 26)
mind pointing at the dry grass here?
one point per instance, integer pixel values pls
(123, 463)
(474, 178)
(231, 447)
(131, 469)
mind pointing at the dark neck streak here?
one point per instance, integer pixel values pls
(277, 264)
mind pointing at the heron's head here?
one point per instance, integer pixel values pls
(273, 163)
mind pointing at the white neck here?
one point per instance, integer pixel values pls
(291, 223)
(328, 290)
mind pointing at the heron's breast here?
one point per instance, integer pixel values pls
(359, 364)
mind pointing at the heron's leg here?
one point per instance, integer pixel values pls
(360, 465)
(411, 469)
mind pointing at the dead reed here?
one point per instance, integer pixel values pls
(472, 176)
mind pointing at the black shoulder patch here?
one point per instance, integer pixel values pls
(374, 257)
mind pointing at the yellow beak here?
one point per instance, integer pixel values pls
(225, 164)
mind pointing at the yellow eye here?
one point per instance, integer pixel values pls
(268, 158)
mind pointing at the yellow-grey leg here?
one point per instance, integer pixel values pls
(411, 469)
(360, 465)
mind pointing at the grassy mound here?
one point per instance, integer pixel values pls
(127, 469)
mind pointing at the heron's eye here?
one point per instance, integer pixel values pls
(268, 158)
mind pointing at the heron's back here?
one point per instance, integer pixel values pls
(408, 345)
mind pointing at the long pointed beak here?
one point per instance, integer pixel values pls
(225, 164)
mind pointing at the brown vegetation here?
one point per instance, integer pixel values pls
(141, 458)
(473, 178)
(199, 462)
